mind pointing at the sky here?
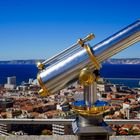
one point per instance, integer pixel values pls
(38, 29)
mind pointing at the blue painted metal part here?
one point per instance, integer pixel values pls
(79, 103)
(98, 103)
(101, 103)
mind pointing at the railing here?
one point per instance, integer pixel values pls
(122, 121)
(64, 121)
(37, 121)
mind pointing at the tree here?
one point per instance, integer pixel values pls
(46, 132)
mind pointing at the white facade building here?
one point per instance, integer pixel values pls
(11, 82)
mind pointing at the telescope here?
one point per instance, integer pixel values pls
(64, 68)
(82, 62)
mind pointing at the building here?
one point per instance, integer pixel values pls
(30, 80)
(11, 80)
(4, 129)
(62, 129)
(6, 103)
(11, 83)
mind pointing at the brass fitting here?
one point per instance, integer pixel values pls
(40, 66)
(90, 37)
(80, 42)
(86, 77)
(91, 111)
(92, 57)
(43, 91)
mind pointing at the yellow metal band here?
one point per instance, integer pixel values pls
(44, 90)
(92, 111)
(92, 57)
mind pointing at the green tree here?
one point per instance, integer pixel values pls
(46, 132)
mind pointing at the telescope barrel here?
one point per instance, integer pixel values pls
(69, 50)
(57, 76)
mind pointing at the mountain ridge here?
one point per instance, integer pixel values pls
(108, 61)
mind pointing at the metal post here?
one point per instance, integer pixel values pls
(90, 94)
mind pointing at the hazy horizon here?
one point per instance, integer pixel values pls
(46, 59)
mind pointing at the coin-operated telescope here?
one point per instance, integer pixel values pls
(82, 61)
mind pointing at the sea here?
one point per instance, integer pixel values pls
(125, 74)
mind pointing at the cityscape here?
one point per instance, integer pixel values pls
(23, 102)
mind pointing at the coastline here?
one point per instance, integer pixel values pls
(109, 61)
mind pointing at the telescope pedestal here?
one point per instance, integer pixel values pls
(84, 121)
(91, 125)
(92, 133)
(90, 129)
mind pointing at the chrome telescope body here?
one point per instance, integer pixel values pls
(64, 68)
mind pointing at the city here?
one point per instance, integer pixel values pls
(23, 102)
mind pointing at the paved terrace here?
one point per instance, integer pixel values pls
(64, 137)
(61, 121)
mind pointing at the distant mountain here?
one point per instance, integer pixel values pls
(123, 61)
(109, 61)
(33, 61)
